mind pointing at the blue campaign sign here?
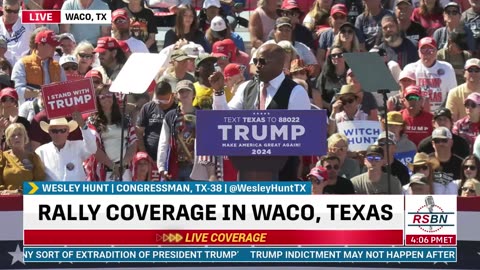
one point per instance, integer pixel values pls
(405, 157)
(262, 133)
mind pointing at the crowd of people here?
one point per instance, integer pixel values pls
(295, 61)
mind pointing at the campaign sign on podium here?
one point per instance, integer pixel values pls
(262, 133)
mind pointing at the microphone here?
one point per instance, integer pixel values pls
(430, 203)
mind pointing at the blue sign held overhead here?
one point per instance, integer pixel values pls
(262, 133)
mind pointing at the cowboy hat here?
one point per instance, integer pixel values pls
(422, 159)
(72, 125)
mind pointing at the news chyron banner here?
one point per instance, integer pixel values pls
(66, 16)
(230, 222)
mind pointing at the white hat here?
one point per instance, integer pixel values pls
(211, 3)
(193, 49)
(72, 125)
(66, 35)
(218, 24)
(66, 58)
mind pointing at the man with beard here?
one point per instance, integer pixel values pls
(121, 31)
(399, 49)
(111, 56)
(411, 29)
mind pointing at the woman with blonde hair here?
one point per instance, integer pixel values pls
(18, 164)
(338, 144)
(347, 39)
(85, 57)
(471, 188)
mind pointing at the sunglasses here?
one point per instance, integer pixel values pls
(120, 21)
(466, 189)
(104, 96)
(428, 50)
(470, 105)
(470, 167)
(413, 98)
(70, 67)
(58, 130)
(420, 167)
(85, 55)
(346, 31)
(334, 167)
(374, 158)
(261, 61)
(11, 11)
(5, 99)
(437, 141)
(336, 55)
(348, 101)
(473, 70)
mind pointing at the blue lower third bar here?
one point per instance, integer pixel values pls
(240, 254)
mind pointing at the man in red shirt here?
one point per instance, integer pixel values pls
(468, 126)
(418, 121)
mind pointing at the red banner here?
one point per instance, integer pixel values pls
(61, 99)
(213, 237)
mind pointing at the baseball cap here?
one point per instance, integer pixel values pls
(407, 74)
(218, 24)
(211, 3)
(442, 112)
(289, 5)
(179, 55)
(204, 57)
(319, 172)
(395, 118)
(418, 178)
(472, 62)
(124, 46)
(219, 47)
(475, 97)
(9, 92)
(347, 24)
(106, 43)
(427, 41)
(452, 4)
(403, 1)
(119, 14)
(67, 59)
(48, 37)
(391, 137)
(185, 84)
(282, 21)
(192, 49)
(66, 35)
(94, 74)
(441, 133)
(233, 69)
(338, 8)
(374, 150)
(413, 90)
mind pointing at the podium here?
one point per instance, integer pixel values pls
(263, 168)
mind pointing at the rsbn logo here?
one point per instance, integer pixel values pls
(430, 217)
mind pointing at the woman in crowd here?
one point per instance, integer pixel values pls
(429, 15)
(85, 57)
(9, 111)
(186, 27)
(107, 123)
(143, 168)
(346, 108)
(18, 164)
(333, 76)
(470, 169)
(317, 18)
(425, 165)
(471, 188)
(347, 39)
